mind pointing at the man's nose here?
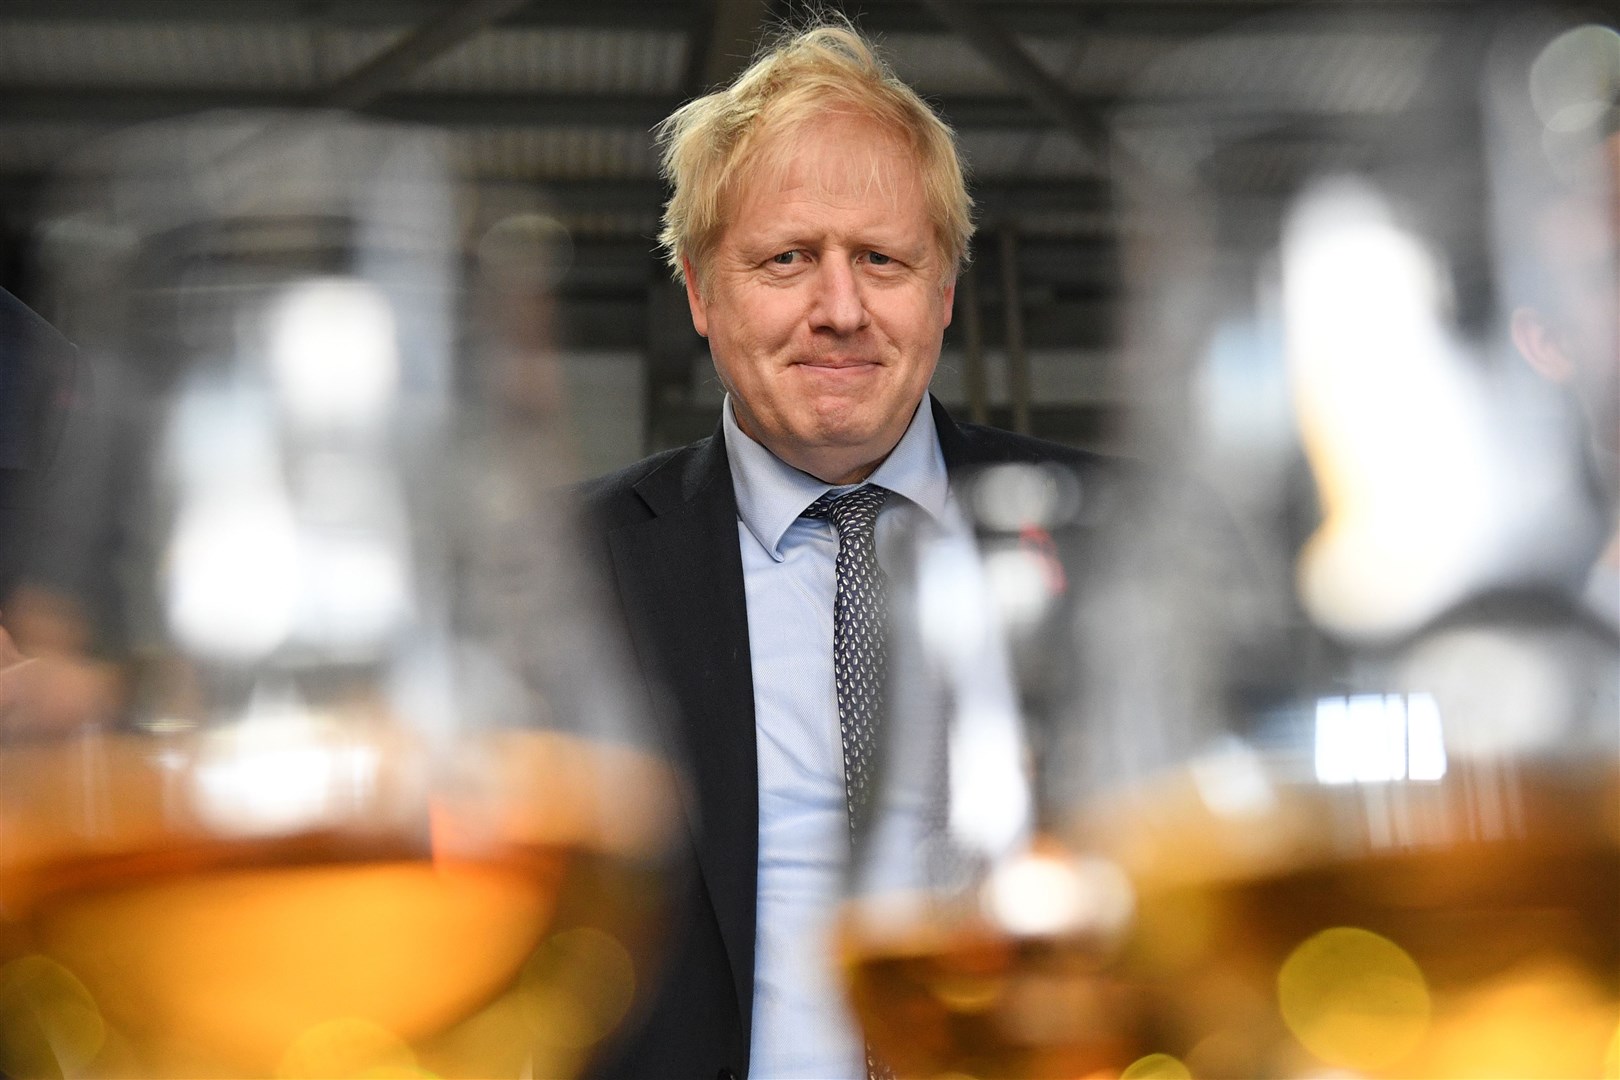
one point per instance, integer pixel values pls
(840, 304)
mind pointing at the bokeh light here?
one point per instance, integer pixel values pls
(1354, 998)
(347, 1047)
(49, 1023)
(1156, 1067)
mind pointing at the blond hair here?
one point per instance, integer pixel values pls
(709, 145)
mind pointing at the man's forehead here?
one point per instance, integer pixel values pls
(835, 153)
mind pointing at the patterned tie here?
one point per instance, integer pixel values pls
(859, 618)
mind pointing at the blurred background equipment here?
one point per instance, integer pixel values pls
(560, 96)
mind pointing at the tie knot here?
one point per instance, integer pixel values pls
(854, 511)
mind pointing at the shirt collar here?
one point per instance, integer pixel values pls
(771, 494)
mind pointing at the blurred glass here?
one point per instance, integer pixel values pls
(978, 936)
(324, 762)
(1300, 757)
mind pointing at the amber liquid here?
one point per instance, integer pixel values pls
(980, 1004)
(415, 946)
(1468, 930)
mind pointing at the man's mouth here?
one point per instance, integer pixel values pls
(838, 363)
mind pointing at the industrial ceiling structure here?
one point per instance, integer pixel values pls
(558, 98)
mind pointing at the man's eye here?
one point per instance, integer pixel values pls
(877, 258)
(785, 258)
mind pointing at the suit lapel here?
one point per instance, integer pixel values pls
(681, 576)
(953, 447)
(682, 570)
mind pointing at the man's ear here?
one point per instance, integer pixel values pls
(694, 299)
(1538, 343)
(950, 298)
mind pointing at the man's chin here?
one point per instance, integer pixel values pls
(847, 454)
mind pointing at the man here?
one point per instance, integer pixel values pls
(819, 218)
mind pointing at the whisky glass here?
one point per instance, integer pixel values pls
(1290, 748)
(325, 761)
(1349, 686)
(979, 934)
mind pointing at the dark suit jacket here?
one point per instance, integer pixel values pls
(667, 528)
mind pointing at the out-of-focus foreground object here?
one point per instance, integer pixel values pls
(1358, 728)
(1295, 750)
(355, 786)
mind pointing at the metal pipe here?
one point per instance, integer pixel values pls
(415, 50)
(975, 379)
(1013, 312)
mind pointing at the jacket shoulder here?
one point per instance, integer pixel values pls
(616, 498)
(993, 446)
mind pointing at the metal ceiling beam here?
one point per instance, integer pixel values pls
(1154, 17)
(102, 105)
(618, 196)
(603, 14)
(1009, 58)
(995, 197)
(432, 39)
(92, 105)
(1082, 208)
(1169, 18)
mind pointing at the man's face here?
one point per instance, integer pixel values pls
(826, 298)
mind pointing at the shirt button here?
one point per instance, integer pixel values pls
(725, 1074)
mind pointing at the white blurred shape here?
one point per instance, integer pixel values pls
(1374, 738)
(1517, 693)
(1379, 724)
(233, 573)
(991, 805)
(1010, 497)
(1243, 388)
(953, 600)
(1394, 423)
(1021, 582)
(1232, 782)
(1040, 894)
(219, 433)
(333, 352)
(356, 591)
(1245, 397)
(280, 770)
(355, 551)
(1425, 743)
(961, 628)
(1335, 742)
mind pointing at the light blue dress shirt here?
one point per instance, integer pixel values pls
(802, 1027)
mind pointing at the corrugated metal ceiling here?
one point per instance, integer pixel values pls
(560, 96)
